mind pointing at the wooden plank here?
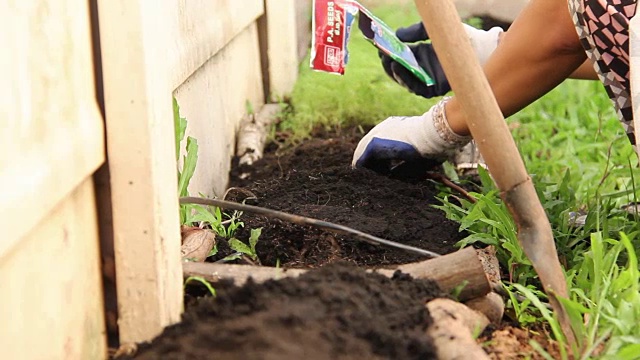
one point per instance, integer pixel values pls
(303, 21)
(201, 28)
(449, 271)
(233, 79)
(52, 131)
(51, 303)
(239, 274)
(282, 46)
(141, 152)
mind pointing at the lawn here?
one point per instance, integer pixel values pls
(581, 163)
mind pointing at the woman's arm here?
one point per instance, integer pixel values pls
(584, 72)
(540, 50)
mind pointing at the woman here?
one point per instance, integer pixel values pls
(548, 43)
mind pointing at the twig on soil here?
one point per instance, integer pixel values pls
(301, 220)
(249, 261)
(450, 184)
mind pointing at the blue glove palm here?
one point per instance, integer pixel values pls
(384, 155)
(416, 140)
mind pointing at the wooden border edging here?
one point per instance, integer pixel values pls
(450, 271)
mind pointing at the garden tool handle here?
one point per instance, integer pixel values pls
(466, 77)
(487, 126)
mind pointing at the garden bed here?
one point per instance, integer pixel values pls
(336, 310)
(316, 180)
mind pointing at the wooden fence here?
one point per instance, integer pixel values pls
(87, 161)
(88, 202)
(51, 143)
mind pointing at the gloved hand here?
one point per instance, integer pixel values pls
(483, 43)
(424, 141)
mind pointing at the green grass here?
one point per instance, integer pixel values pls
(580, 161)
(364, 95)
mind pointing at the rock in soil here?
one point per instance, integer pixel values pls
(336, 312)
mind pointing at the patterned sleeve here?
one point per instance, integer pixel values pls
(603, 28)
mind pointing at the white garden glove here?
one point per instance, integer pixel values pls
(484, 42)
(424, 141)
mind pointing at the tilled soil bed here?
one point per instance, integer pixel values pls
(316, 180)
(336, 310)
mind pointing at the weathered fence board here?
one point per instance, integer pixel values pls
(141, 152)
(50, 144)
(207, 53)
(51, 302)
(282, 46)
(214, 100)
(199, 29)
(52, 131)
(286, 36)
(303, 27)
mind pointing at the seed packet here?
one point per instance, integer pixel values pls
(332, 24)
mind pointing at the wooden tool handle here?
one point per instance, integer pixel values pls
(486, 123)
(484, 118)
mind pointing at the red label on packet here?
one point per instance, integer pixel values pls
(332, 22)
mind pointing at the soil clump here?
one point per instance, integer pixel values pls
(336, 312)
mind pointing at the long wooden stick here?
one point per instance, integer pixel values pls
(301, 220)
(487, 125)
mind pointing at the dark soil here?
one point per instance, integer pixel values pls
(315, 180)
(336, 312)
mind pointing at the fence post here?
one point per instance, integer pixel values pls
(286, 34)
(141, 155)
